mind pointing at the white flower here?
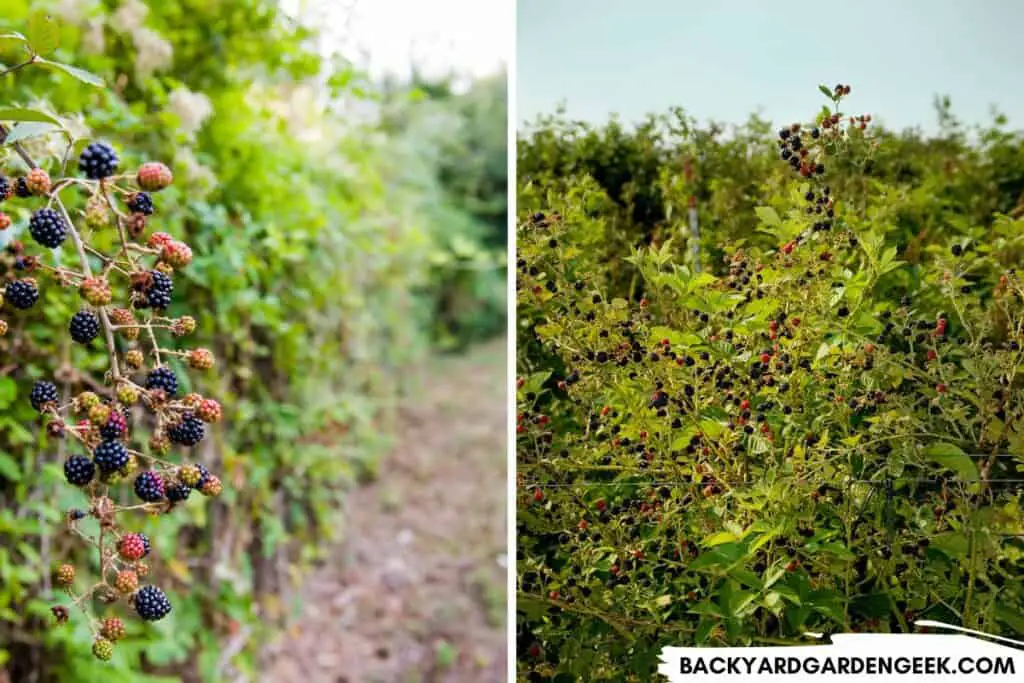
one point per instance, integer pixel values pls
(129, 17)
(74, 11)
(191, 108)
(153, 53)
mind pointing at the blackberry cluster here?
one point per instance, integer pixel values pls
(48, 228)
(151, 603)
(110, 456)
(189, 431)
(98, 160)
(163, 378)
(158, 292)
(141, 202)
(79, 470)
(22, 294)
(149, 487)
(43, 392)
(178, 492)
(84, 327)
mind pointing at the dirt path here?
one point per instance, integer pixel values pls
(417, 593)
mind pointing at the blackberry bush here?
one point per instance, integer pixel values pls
(821, 432)
(126, 282)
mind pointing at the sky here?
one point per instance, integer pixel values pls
(473, 37)
(725, 59)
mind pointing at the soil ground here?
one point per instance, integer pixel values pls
(417, 591)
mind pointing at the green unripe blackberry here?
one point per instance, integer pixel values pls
(22, 294)
(48, 228)
(151, 603)
(110, 456)
(43, 392)
(98, 160)
(103, 649)
(79, 470)
(84, 327)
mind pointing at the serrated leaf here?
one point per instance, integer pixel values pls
(825, 91)
(9, 468)
(81, 74)
(30, 129)
(43, 33)
(22, 114)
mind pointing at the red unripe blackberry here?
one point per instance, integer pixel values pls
(43, 392)
(151, 603)
(126, 582)
(141, 202)
(158, 239)
(153, 176)
(110, 456)
(5, 221)
(84, 327)
(79, 470)
(112, 629)
(176, 254)
(22, 294)
(96, 291)
(98, 160)
(149, 487)
(208, 410)
(200, 359)
(133, 547)
(38, 182)
(163, 378)
(188, 432)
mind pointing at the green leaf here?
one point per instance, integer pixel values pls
(768, 215)
(9, 468)
(13, 35)
(81, 74)
(826, 91)
(8, 390)
(30, 129)
(43, 33)
(22, 114)
(951, 457)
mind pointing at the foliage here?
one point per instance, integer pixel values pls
(312, 283)
(820, 432)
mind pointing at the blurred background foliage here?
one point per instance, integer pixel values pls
(342, 229)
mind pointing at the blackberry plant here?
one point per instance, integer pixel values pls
(125, 282)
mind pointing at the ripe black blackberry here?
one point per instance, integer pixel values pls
(84, 327)
(158, 293)
(22, 294)
(79, 470)
(149, 487)
(21, 188)
(98, 160)
(115, 427)
(151, 603)
(204, 477)
(48, 228)
(188, 432)
(141, 202)
(177, 493)
(110, 456)
(163, 378)
(6, 190)
(43, 392)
